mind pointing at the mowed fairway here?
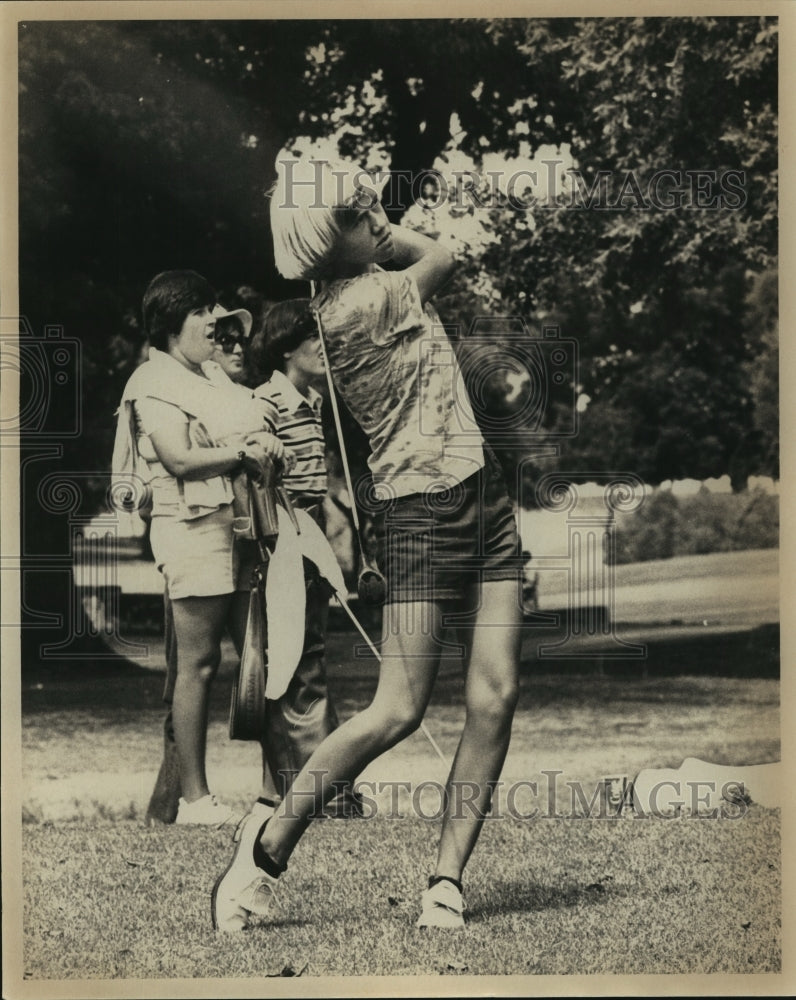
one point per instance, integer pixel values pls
(554, 887)
(561, 896)
(568, 891)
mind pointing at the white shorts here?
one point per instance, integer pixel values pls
(197, 558)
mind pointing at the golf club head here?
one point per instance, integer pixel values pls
(371, 587)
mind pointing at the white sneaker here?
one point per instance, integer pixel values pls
(244, 889)
(207, 811)
(443, 906)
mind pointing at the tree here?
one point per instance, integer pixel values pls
(146, 145)
(135, 155)
(762, 370)
(665, 357)
(672, 210)
(166, 151)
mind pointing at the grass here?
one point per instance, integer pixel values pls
(107, 898)
(91, 736)
(547, 897)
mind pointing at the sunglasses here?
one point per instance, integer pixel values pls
(229, 341)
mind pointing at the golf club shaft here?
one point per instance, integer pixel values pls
(376, 653)
(338, 426)
(354, 515)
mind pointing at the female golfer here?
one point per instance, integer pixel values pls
(184, 434)
(449, 535)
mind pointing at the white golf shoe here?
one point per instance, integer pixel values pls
(443, 906)
(244, 889)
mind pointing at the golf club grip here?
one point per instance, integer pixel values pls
(263, 493)
(284, 498)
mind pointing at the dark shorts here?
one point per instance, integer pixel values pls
(436, 546)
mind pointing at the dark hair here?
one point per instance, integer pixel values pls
(169, 297)
(285, 326)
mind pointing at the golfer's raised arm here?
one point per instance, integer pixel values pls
(430, 264)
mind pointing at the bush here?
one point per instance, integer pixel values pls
(650, 532)
(666, 525)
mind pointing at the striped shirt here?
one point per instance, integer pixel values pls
(297, 423)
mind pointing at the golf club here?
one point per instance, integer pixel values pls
(371, 584)
(423, 727)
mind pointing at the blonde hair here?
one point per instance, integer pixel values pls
(305, 218)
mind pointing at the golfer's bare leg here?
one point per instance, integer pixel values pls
(410, 658)
(491, 690)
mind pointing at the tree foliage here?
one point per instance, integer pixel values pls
(647, 256)
(762, 370)
(146, 145)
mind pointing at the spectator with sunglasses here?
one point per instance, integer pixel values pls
(233, 328)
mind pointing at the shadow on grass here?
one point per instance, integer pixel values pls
(669, 651)
(125, 686)
(274, 923)
(520, 897)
